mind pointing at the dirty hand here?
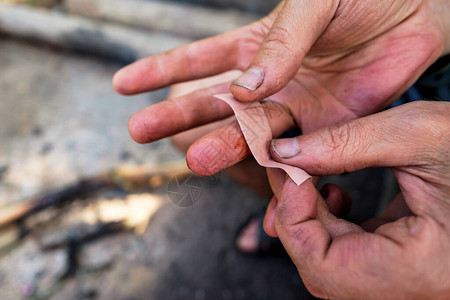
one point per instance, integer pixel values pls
(324, 61)
(402, 255)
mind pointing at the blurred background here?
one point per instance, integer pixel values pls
(85, 213)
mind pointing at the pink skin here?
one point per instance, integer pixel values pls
(325, 62)
(247, 172)
(402, 255)
(359, 58)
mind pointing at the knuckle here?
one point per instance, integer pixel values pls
(428, 124)
(278, 40)
(337, 137)
(344, 142)
(283, 215)
(424, 114)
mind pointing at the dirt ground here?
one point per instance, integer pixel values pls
(61, 121)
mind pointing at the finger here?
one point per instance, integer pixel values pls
(226, 146)
(178, 114)
(338, 201)
(296, 221)
(279, 57)
(187, 87)
(397, 209)
(390, 138)
(277, 179)
(325, 256)
(192, 61)
(185, 139)
(305, 226)
(306, 198)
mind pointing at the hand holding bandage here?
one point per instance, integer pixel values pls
(326, 62)
(406, 250)
(257, 132)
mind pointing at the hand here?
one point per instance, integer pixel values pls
(406, 253)
(327, 62)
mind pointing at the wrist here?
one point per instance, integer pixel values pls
(441, 9)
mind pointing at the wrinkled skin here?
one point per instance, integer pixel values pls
(402, 255)
(360, 56)
(328, 62)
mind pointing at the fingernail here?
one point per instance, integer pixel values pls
(251, 79)
(285, 148)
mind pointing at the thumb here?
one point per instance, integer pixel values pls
(304, 223)
(296, 28)
(393, 138)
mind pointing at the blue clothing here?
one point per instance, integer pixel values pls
(434, 84)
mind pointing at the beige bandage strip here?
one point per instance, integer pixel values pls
(258, 135)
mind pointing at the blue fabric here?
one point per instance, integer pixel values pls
(432, 85)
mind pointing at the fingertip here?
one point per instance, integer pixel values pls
(199, 160)
(119, 82)
(137, 130)
(193, 166)
(292, 210)
(282, 149)
(247, 86)
(242, 93)
(307, 188)
(134, 78)
(251, 79)
(306, 152)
